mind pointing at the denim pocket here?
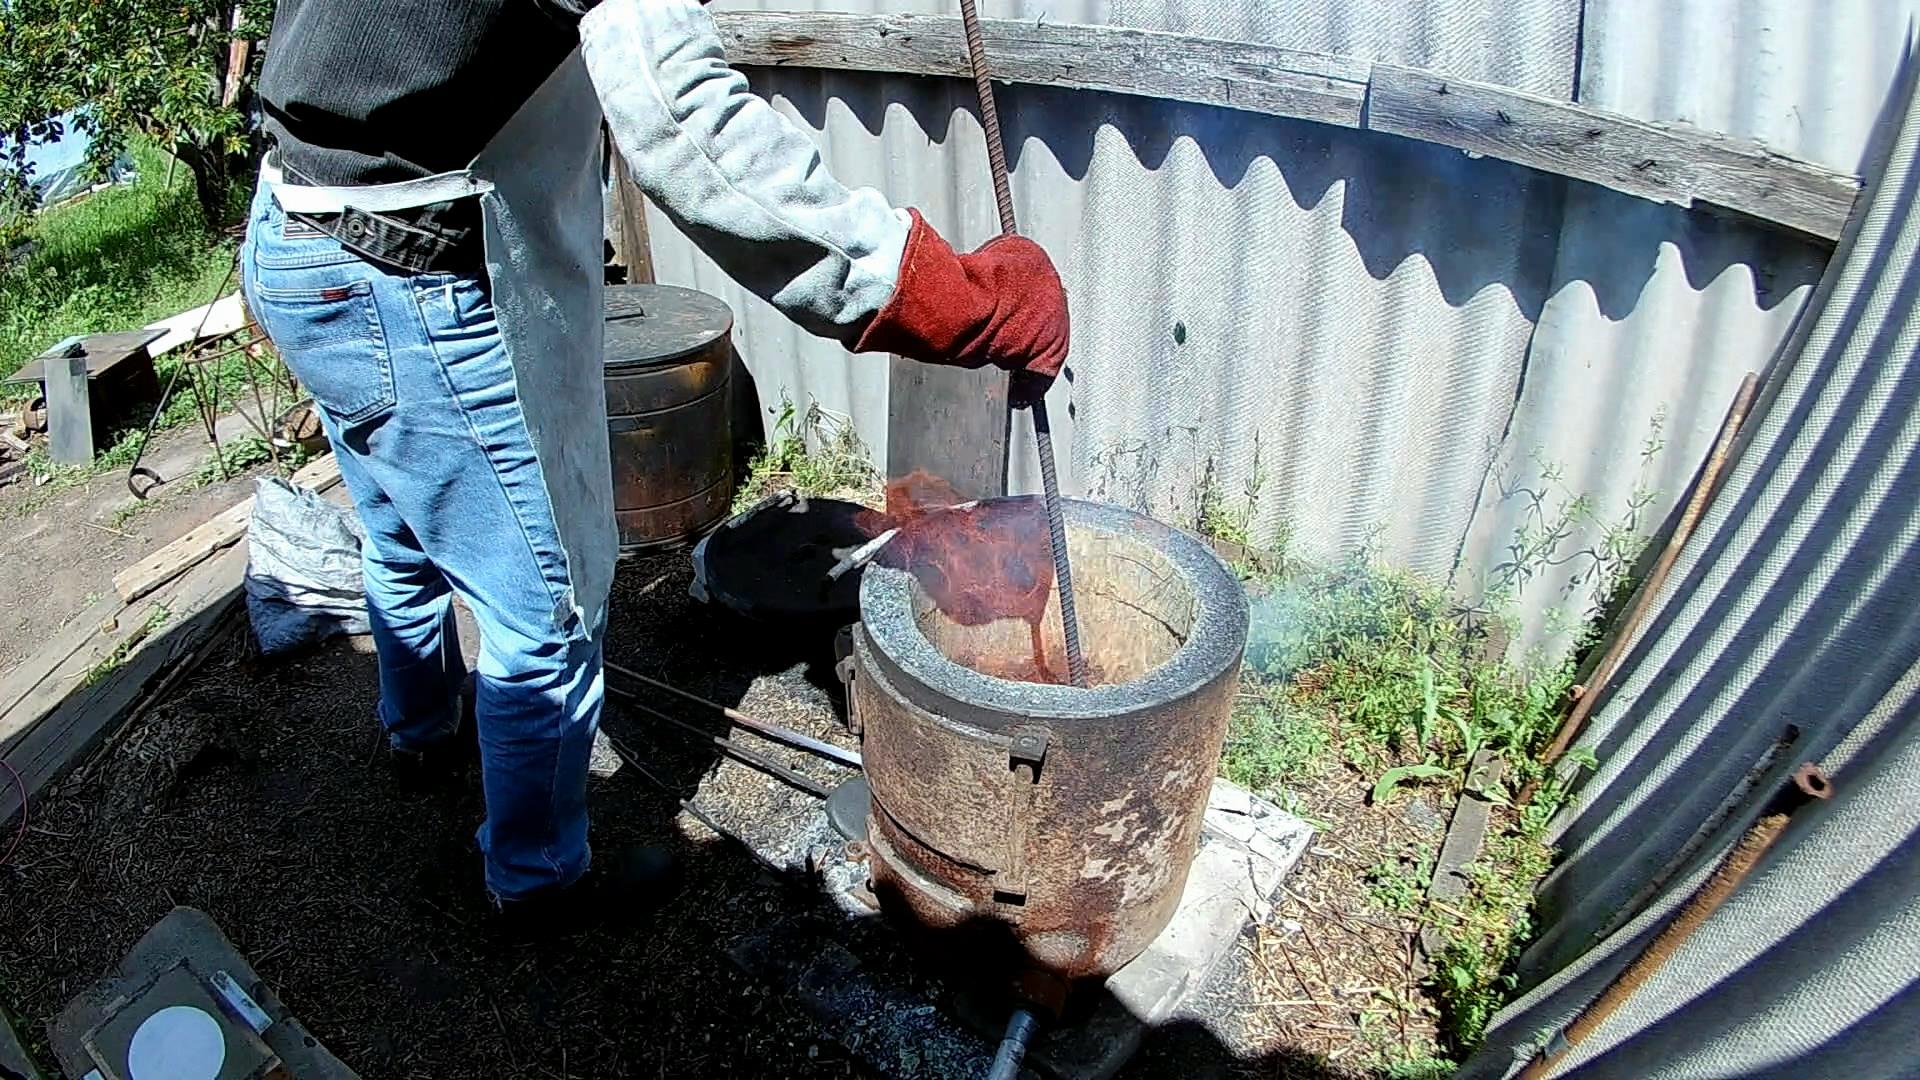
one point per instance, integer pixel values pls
(455, 307)
(331, 338)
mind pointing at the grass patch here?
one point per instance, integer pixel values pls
(119, 258)
(1273, 738)
(1228, 517)
(814, 453)
(239, 455)
(1485, 932)
(114, 260)
(1372, 684)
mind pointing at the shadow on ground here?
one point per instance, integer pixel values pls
(258, 792)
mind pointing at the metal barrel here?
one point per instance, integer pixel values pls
(669, 375)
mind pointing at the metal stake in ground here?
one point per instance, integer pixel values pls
(1034, 398)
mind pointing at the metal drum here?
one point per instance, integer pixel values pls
(669, 371)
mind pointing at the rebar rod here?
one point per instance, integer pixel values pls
(1036, 400)
(771, 731)
(745, 756)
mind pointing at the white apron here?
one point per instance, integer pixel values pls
(538, 182)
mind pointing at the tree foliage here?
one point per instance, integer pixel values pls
(114, 68)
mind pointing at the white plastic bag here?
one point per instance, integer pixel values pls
(303, 568)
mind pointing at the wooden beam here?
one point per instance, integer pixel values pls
(56, 705)
(222, 531)
(631, 248)
(1670, 163)
(219, 318)
(32, 672)
(1667, 163)
(1240, 75)
(14, 1060)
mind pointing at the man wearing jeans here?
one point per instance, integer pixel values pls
(424, 250)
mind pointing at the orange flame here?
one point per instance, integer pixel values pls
(979, 563)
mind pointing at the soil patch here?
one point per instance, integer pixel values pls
(65, 542)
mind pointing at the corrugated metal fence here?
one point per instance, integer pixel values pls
(1794, 617)
(1391, 341)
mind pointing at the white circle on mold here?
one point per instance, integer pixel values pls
(179, 1042)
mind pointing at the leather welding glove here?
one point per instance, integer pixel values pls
(1001, 305)
(749, 188)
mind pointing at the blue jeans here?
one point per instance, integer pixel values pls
(418, 397)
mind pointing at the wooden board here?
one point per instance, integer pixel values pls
(62, 670)
(1665, 162)
(1241, 75)
(951, 422)
(77, 634)
(13, 1054)
(222, 531)
(1466, 836)
(87, 697)
(632, 249)
(223, 316)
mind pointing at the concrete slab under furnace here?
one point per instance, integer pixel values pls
(891, 1022)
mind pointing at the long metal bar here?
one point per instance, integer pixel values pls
(1704, 489)
(771, 731)
(1042, 427)
(1809, 784)
(732, 749)
(136, 470)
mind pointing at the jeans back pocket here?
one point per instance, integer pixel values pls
(331, 339)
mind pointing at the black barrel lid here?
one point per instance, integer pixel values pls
(658, 324)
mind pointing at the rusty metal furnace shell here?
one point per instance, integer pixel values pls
(1062, 820)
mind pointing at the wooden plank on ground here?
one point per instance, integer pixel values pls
(222, 531)
(1669, 163)
(951, 422)
(1181, 67)
(1466, 836)
(87, 697)
(14, 1061)
(632, 249)
(74, 636)
(105, 639)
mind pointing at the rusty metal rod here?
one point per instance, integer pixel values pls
(1042, 426)
(759, 727)
(1810, 783)
(732, 749)
(1702, 494)
(1737, 798)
